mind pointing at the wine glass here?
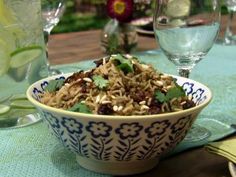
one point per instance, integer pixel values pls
(52, 10)
(186, 32)
(229, 37)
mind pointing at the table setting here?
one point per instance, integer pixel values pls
(59, 143)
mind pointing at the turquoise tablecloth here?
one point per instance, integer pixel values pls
(33, 151)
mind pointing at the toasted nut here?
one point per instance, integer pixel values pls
(165, 76)
(144, 66)
(115, 108)
(190, 97)
(98, 99)
(106, 102)
(128, 56)
(113, 97)
(87, 79)
(159, 83)
(182, 103)
(120, 108)
(142, 102)
(104, 61)
(144, 107)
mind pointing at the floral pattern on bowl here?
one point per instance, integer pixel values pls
(119, 144)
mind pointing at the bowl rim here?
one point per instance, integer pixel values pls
(78, 114)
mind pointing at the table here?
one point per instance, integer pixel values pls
(79, 46)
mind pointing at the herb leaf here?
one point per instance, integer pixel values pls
(80, 107)
(54, 85)
(160, 96)
(100, 82)
(174, 92)
(124, 63)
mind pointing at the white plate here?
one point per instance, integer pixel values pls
(142, 21)
(232, 169)
(139, 23)
(145, 32)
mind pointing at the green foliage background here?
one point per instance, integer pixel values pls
(75, 20)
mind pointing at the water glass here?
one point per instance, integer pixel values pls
(186, 30)
(23, 57)
(230, 35)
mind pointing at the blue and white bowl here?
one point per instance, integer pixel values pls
(120, 145)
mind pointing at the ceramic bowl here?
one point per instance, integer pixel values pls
(120, 145)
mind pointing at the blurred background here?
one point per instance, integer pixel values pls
(82, 15)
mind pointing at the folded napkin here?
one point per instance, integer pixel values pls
(226, 148)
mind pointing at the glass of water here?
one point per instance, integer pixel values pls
(186, 32)
(230, 36)
(22, 59)
(52, 10)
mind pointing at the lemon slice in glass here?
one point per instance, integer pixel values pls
(23, 104)
(4, 109)
(24, 55)
(178, 8)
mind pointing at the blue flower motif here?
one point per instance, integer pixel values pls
(157, 128)
(44, 84)
(60, 78)
(36, 93)
(201, 100)
(72, 125)
(52, 120)
(188, 87)
(99, 129)
(180, 124)
(127, 130)
(197, 95)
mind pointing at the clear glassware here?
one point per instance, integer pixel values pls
(230, 36)
(22, 59)
(118, 37)
(186, 31)
(52, 10)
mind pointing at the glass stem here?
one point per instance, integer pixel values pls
(184, 72)
(228, 32)
(51, 70)
(46, 38)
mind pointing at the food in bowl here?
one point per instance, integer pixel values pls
(118, 85)
(119, 144)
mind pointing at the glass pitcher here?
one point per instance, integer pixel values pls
(22, 58)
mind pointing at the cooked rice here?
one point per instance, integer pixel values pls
(130, 93)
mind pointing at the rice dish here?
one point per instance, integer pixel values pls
(118, 85)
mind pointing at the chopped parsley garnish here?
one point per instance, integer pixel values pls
(124, 64)
(100, 82)
(80, 107)
(54, 85)
(175, 92)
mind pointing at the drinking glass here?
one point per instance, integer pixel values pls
(230, 37)
(52, 10)
(186, 32)
(22, 59)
